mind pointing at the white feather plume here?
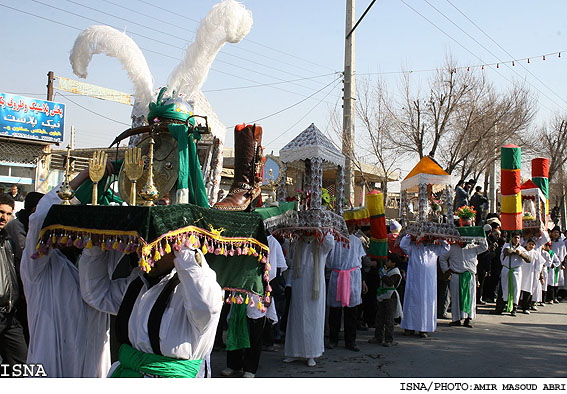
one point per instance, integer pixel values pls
(228, 21)
(105, 39)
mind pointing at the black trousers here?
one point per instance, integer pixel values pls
(13, 348)
(526, 299)
(369, 299)
(385, 320)
(552, 293)
(248, 359)
(349, 326)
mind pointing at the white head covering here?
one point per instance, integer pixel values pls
(395, 227)
(487, 228)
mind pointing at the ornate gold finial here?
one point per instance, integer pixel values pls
(134, 168)
(149, 192)
(97, 166)
(65, 192)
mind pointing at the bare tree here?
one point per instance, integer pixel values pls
(484, 121)
(551, 142)
(422, 122)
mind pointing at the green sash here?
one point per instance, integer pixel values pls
(555, 269)
(237, 335)
(465, 302)
(383, 290)
(136, 364)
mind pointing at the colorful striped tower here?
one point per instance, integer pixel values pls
(378, 234)
(511, 201)
(540, 176)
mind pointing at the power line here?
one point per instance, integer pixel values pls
(163, 42)
(304, 116)
(511, 61)
(265, 84)
(293, 105)
(503, 49)
(149, 50)
(91, 111)
(240, 58)
(489, 51)
(461, 45)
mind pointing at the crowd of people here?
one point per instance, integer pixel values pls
(315, 282)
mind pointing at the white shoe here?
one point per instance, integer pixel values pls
(289, 359)
(229, 372)
(311, 362)
(248, 375)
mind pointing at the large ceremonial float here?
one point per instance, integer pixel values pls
(164, 141)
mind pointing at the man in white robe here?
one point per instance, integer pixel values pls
(420, 299)
(345, 290)
(189, 320)
(560, 250)
(511, 257)
(67, 336)
(306, 320)
(461, 262)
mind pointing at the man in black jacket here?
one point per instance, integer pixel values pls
(478, 201)
(13, 349)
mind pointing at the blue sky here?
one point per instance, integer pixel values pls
(290, 40)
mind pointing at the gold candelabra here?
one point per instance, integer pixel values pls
(97, 166)
(134, 168)
(149, 192)
(65, 192)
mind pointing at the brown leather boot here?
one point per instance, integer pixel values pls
(248, 164)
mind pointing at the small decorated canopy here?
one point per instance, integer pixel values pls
(533, 206)
(311, 152)
(426, 172)
(311, 143)
(427, 179)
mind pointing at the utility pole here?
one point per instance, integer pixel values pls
(492, 198)
(50, 79)
(348, 101)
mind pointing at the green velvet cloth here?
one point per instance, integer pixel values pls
(149, 223)
(136, 364)
(269, 212)
(472, 231)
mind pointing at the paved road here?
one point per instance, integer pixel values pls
(528, 346)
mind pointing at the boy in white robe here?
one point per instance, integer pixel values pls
(420, 299)
(511, 258)
(461, 262)
(528, 275)
(556, 279)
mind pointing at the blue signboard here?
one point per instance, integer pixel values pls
(29, 118)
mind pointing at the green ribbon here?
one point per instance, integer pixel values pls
(189, 176)
(465, 302)
(237, 336)
(510, 302)
(136, 364)
(383, 290)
